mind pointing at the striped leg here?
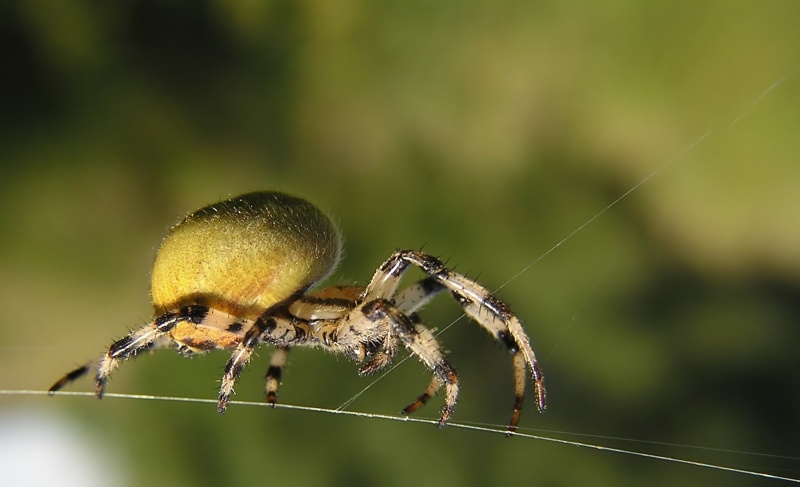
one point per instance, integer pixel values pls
(423, 398)
(409, 301)
(280, 331)
(137, 341)
(420, 342)
(492, 314)
(417, 295)
(276, 365)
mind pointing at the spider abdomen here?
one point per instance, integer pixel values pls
(244, 254)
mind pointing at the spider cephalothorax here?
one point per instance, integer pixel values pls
(237, 274)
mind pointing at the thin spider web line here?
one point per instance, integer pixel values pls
(406, 419)
(493, 429)
(720, 129)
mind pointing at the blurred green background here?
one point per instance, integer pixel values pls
(485, 131)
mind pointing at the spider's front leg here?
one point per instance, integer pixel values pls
(408, 302)
(381, 314)
(478, 303)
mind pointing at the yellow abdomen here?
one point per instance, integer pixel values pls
(244, 254)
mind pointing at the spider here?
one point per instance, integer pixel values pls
(239, 273)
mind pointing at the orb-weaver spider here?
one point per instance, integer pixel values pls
(237, 274)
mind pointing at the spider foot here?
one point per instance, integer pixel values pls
(273, 379)
(512, 425)
(421, 401)
(233, 369)
(69, 377)
(222, 405)
(99, 390)
(446, 413)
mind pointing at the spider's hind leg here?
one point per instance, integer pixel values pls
(146, 337)
(142, 339)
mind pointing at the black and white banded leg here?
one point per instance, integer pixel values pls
(273, 378)
(479, 304)
(137, 341)
(281, 331)
(420, 341)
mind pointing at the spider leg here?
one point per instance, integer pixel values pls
(420, 341)
(423, 398)
(276, 365)
(138, 340)
(435, 383)
(410, 300)
(479, 304)
(414, 297)
(281, 331)
(382, 357)
(71, 376)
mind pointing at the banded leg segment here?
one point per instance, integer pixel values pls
(436, 382)
(143, 339)
(423, 398)
(479, 304)
(273, 379)
(71, 376)
(138, 340)
(420, 341)
(414, 297)
(281, 331)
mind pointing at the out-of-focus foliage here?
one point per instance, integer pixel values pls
(485, 131)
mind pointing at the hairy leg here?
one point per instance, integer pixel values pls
(478, 303)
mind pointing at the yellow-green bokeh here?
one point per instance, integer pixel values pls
(486, 132)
